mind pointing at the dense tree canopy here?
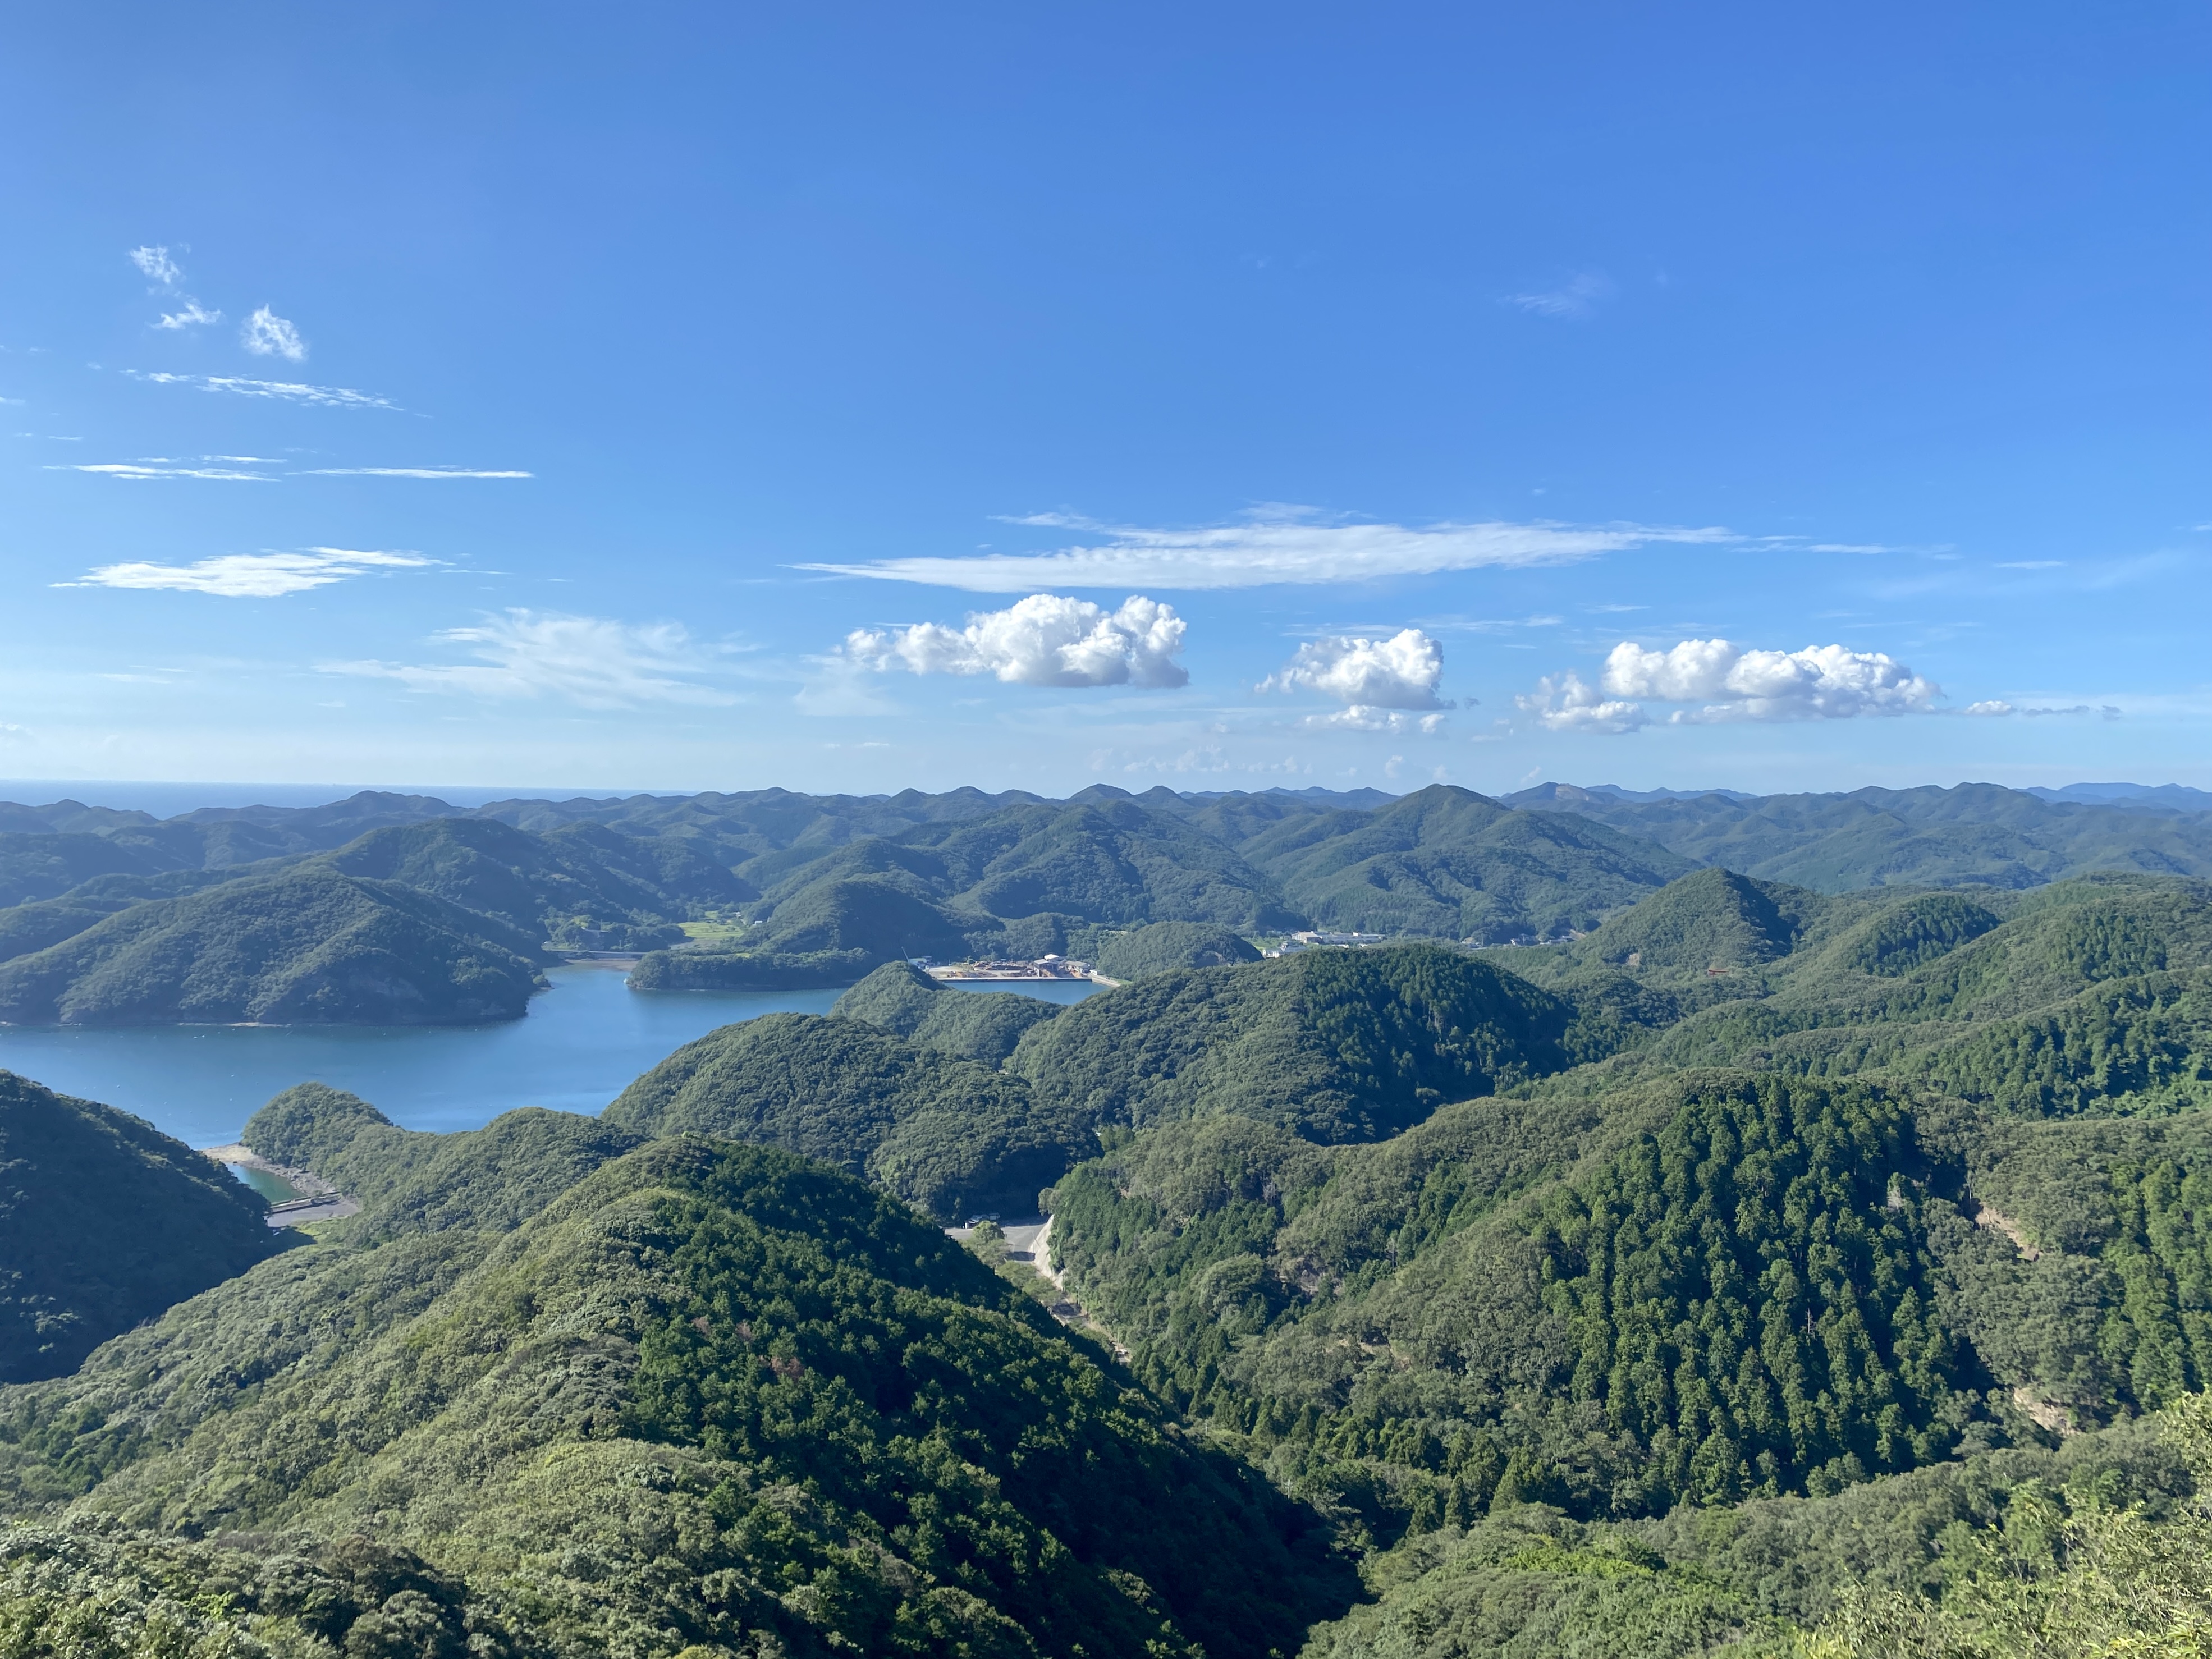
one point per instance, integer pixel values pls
(709, 1396)
(103, 1221)
(306, 947)
(945, 1133)
(981, 1026)
(1338, 1045)
(1755, 1269)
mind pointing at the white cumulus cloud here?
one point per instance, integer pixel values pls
(1286, 546)
(1821, 681)
(589, 660)
(1402, 672)
(1046, 639)
(1567, 703)
(268, 335)
(155, 266)
(251, 575)
(1731, 683)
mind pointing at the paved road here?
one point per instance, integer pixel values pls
(334, 1208)
(1026, 1241)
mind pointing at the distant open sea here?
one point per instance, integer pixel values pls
(582, 1044)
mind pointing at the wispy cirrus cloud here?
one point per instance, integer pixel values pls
(164, 470)
(251, 575)
(407, 472)
(1576, 298)
(1465, 624)
(267, 335)
(161, 466)
(1997, 708)
(191, 314)
(329, 397)
(591, 661)
(1285, 548)
(155, 266)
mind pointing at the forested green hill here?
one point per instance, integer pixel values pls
(1103, 861)
(1807, 1260)
(710, 1397)
(979, 1026)
(1444, 862)
(581, 876)
(1165, 946)
(1712, 920)
(2080, 991)
(1717, 1287)
(25, 928)
(39, 865)
(304, 947)
(103, 1221)
(946, 1134)
(1576, 1348)
(1962, 1202)
(408, 1181)
(864, 914)
(1337, 1045)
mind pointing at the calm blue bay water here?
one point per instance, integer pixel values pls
(582, 1043)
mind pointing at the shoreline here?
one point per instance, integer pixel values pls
(305, 1182)
(318, 1200)
(954, 977)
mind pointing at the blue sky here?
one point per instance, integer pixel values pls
(718, 397)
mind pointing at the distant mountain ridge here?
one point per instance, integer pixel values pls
(1973, 833)
(773, 888)
(2165, 797)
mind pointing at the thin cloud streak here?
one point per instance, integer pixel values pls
(1572, 300)
(329, 397)
(405, 472)
(161, 468)
(251, 575)
(130, 470)
(1266, 552)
